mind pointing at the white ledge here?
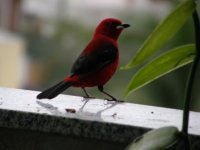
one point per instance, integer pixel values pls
(125, 115)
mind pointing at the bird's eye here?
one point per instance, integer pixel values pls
(111, 25)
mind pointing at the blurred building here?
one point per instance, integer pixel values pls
(12, 49)
(10, 14)
(12, 46)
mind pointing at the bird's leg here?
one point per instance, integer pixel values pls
(100, 87)
(87, 95)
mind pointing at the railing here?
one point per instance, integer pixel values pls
(94, 119)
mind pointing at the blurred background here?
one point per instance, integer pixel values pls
(40, 39)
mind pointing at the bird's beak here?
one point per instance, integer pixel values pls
(122, 26)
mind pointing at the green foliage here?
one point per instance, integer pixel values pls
(158, 139)
(163, 32)
(168, 62)
(162, 65)
(165, 137)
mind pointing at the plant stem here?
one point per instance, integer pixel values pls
(190, 81)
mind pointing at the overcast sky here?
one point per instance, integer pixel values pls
(90, 9)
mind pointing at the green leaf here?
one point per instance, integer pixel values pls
(163, 32)
(162, 65)
(158, 139)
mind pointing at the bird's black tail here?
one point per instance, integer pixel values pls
(54, 90)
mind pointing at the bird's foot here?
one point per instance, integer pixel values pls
(115, 100)
(88, 97)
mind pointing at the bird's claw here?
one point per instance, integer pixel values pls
(88, 97)
(115, 100)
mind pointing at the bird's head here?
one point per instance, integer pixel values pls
(111, 28)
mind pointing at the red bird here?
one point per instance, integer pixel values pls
(96, 64)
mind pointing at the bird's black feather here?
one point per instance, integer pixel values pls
(54, 90)
(96, 60)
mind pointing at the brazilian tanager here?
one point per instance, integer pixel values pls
(96, 64)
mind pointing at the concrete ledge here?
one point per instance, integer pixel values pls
(94, 118)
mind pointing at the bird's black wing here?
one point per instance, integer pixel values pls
(96, 60)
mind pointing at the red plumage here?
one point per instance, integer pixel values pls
(96, 64)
